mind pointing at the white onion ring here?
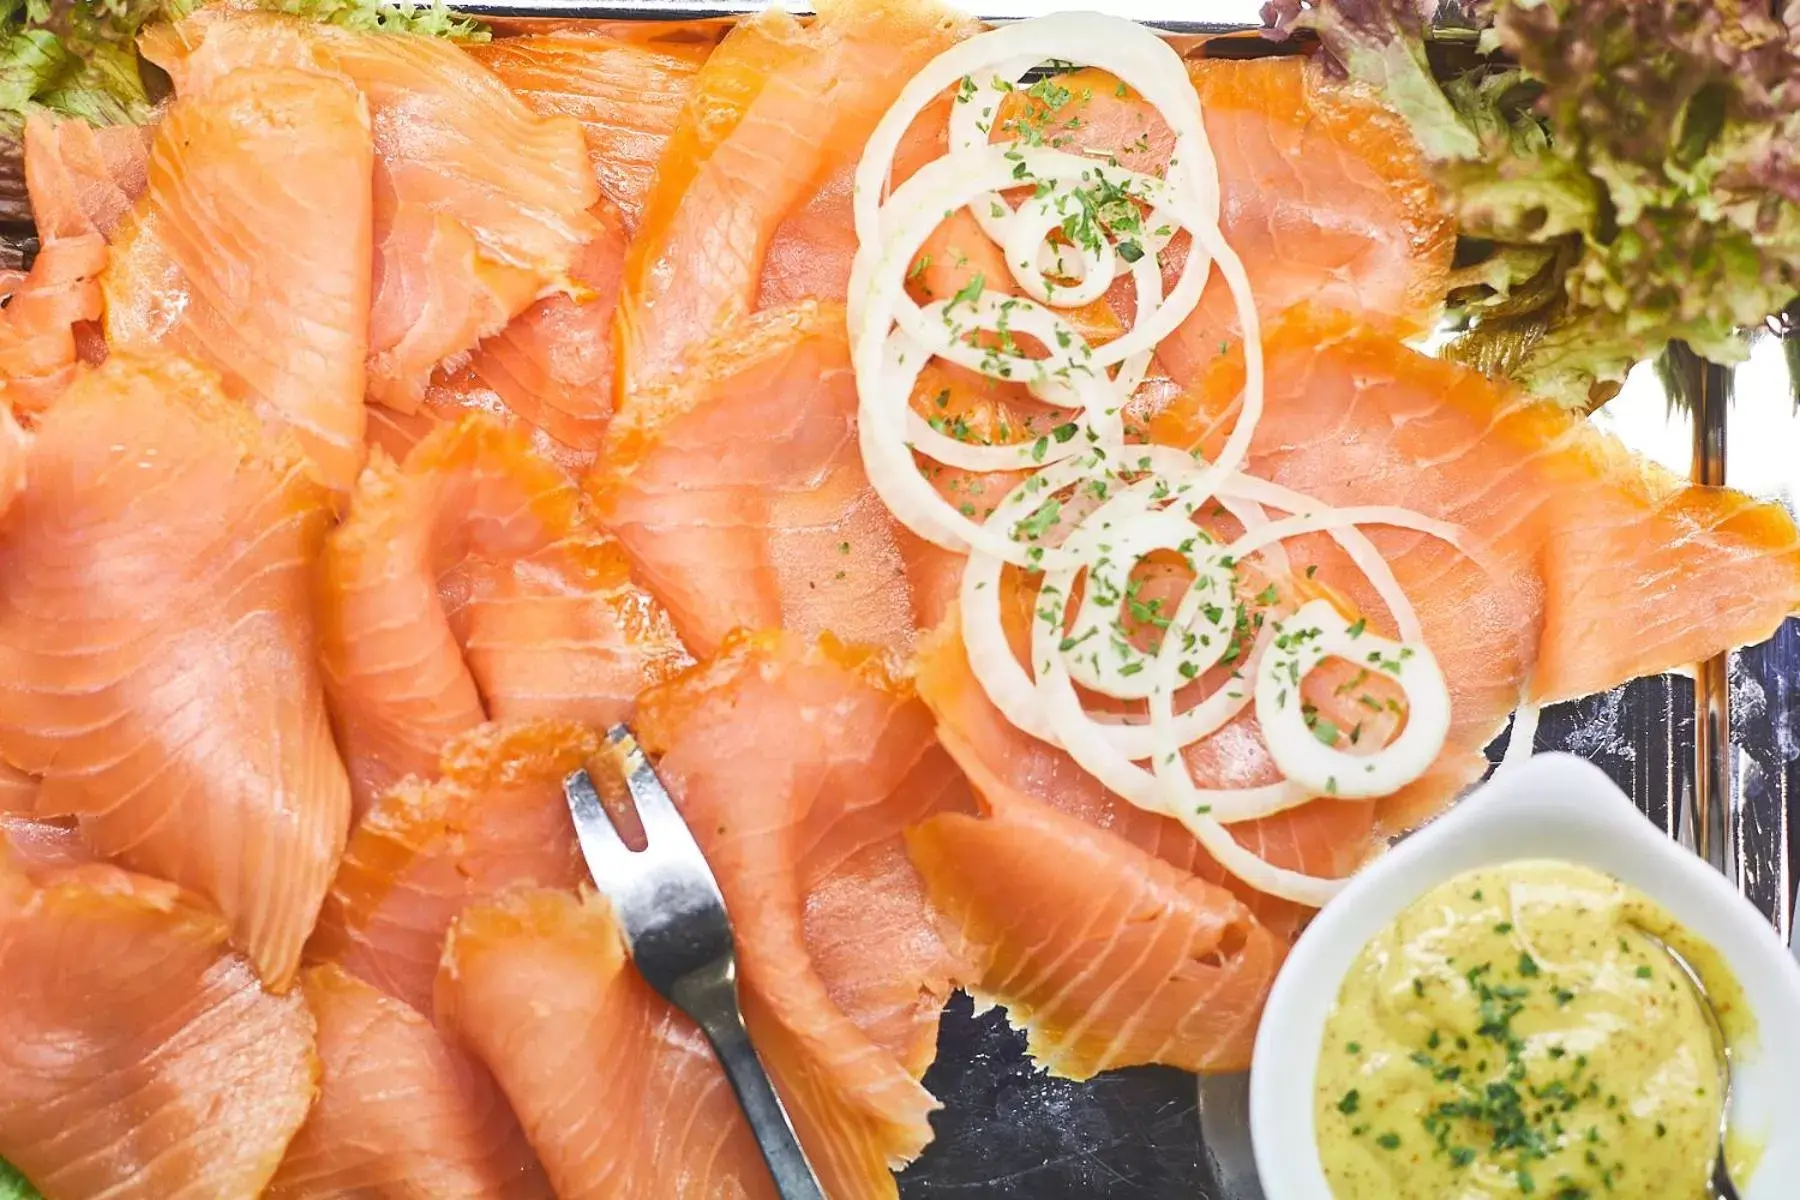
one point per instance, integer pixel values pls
(1149, 496)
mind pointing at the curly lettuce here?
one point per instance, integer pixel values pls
(1624, 174)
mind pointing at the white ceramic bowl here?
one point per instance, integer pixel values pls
(1552, 806)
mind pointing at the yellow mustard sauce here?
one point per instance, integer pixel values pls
(1514, 1032)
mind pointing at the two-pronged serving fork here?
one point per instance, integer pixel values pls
(669, 905)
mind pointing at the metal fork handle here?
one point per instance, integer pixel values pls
(794, 1178)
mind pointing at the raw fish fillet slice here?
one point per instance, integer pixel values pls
(627, 94)
(739, 490)
(38, 351)
(480, 205)
(564, 633)
(139, 1059)
(496, 819)
(1324, 195)
(452, 396)
(1325, 837)
(38, 848)
(157, 647)
(285, 319)
(18, 792)
(401, 1114)
(618, 1093)
(84, 178)
(766, 126)
(1108, 956)
(793, 822)
(285, 323)
(1325, 199)
(15, 450)
(82, 181)
(474, 537)
(553, 364)
(1628, 570)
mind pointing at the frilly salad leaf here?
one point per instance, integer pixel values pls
(1626, 173)
(14, 1186)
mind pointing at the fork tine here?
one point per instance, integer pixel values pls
(656, 811)
(607, 855)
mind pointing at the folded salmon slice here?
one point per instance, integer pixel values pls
(1131, 961)
(1626, 569)
(39, 353)
(455, 394)
(552, 366)
(400, 1113)
(1325, 199)
(84, 178)
(474, 542)
(776, 113)
(82, 181)
(739, 490)
(138, 1057)
(480, 205)
(284, 320)
(496, 819)
(1326, 837)
(627, 93)
(156, 654)
(618, 1093)
(802, 829)
(41, 848)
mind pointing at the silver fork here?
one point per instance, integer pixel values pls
(669, 905)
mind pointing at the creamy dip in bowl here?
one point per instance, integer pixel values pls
(1450, 1052)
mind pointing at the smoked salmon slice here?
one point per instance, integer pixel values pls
(777, 112)
(627, 94)
(284, 320)
(40, 847)
(480, 205)
(474, 542)
(553, 365)
(1326, 199)
(1131, 961)
(1629, 570)
(400, 1113)
(739, 491)
(156, 654)
(18, 792)
(139, 1059)
(802, 829)
(84, 178)
(496, 819)
(1326, 837)
(38, 348)
(618, 1093)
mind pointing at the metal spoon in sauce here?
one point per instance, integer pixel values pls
(1722, 1187)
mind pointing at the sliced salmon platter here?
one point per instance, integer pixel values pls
(994, 473)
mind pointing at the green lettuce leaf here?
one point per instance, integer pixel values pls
(14, 1186)
(387, 16)
(1631, 170)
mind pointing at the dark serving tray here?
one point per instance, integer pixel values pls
(1010, 1132)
